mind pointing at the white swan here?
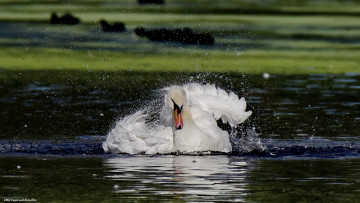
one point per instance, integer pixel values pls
(188, 123)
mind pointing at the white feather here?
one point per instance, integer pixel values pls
(131, 135)
(216, 101)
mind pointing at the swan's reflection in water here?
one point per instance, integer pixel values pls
(189, 178)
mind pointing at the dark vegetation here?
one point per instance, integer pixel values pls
(115, 27)
(182, 35)
(66, 19)
(151, 1)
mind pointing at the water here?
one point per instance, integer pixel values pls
(53, 124)
(179, 178)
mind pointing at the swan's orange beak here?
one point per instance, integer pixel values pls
(179, 124)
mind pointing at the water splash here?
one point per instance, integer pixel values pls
(246, 142)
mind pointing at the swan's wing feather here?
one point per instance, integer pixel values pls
(131, 135)
(217, 139)
(219, 103)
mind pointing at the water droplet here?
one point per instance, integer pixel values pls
(239, 53)
(266, 76)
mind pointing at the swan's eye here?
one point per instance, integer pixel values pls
(176, 107)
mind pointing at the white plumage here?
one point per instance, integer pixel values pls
(216, 101)
(131, 135)
(187, 123)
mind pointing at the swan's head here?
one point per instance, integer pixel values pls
(176, 99)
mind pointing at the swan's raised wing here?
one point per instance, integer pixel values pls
(131, 135)
(217, 102)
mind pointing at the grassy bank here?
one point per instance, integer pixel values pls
(253, 61)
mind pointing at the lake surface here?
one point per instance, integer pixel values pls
(303, 143)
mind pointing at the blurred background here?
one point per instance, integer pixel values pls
(307, 36)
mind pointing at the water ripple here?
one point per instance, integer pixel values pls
(278, 149)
